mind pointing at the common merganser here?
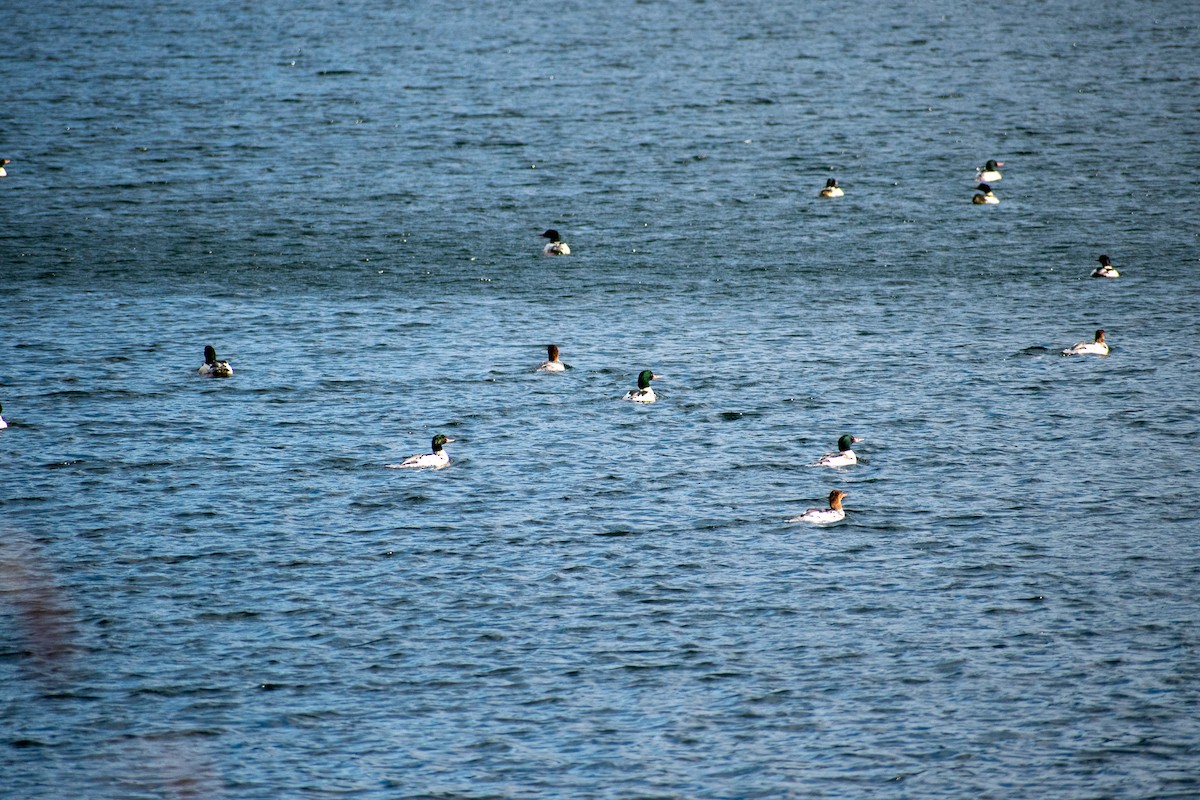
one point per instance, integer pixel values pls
(989, 172)
(987, 198)
(831, 189)
(1099, 347)
(1106, 269)
(3, 424)
(823, 516)
(556, 246)
(435, 460)
(3, 171)
(553, 365)
(211, 368)
(845, 457)
(643, 394)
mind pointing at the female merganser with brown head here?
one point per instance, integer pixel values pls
(211, 368)
(643, 394)
(435, 460)
(987, 198)
(556, 246)
(989, 172)
(1099, 347)
(553, 365)
(1106, 269)
(831, 189)
(845, 457)
(823, 516)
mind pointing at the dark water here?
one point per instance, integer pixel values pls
(215, 589)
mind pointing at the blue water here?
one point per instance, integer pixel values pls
(214, 588)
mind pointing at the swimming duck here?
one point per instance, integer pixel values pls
(1106, 269)
(823, 516)
(3, 171)
(1097, 348)
(435, 460)
(643, 394)
(556, 246)
(3, 424)
(986, 198)
(845, 457)
(211, 368)
(553, 365)
(831, 189)
(989, 172)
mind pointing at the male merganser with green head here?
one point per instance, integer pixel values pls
(989, 172)
(435, 460)
(643, 394)
(831, 189)
(845, 457)
(823, 516)
(556, 246)
(987, 198)
(211, 368)
(3, 424)
(553, 365)
(3, 171)
(1099, 347)
(1106, 269)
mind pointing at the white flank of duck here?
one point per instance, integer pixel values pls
(1099, 347)
(823, 516)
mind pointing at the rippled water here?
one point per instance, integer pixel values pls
(214, 588)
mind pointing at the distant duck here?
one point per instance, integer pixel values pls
(987, 198)
(831, 189)
(1099, 347)
(556, 246)
(823, 516)
(3, 171)
(989, 172)
(435, 460)
(553, 365)
(1106, 269)
(844, 457)
(3, 424)
(211, 368)
(643, 394)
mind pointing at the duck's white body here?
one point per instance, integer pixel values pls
(217, 369)
(985, 199)
(3, 171)
(641, 395)
(846, 458)
(832, 191)
(3, 424)
(556, 249)
(424, 461)
(551, 366)
(1105, 272)
(988, 176)
(1087, 349)
(820, 516)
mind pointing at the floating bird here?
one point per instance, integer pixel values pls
(556, 246)
(643, 394)
(823, 516)
(1106, 269)
(989, 172)
(1099, 347)
(553, 365)
(435, 460)
(211, 368)
(3, 171)
(987, 198)
(845, 457)
(3, 424)
(831, 189)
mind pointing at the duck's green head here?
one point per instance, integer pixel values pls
(991, 164)
(210, 354)
(847, 441)
(644, 378)
(440, 440)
